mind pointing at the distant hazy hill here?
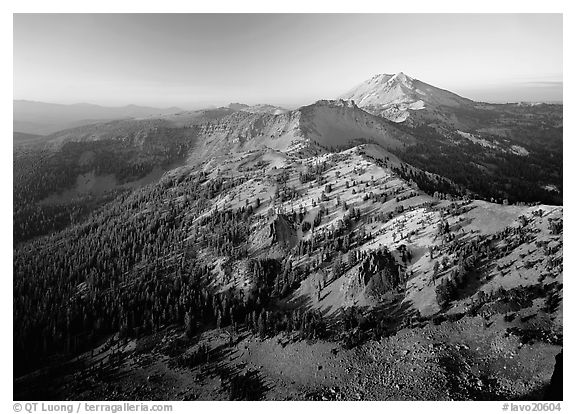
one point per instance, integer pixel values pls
(45, 118)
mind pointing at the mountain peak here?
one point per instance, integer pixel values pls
(396, 96)
(400, 76)
(383, 78)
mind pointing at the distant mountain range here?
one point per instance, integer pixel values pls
(396, 97)
(45, 118)
(516, 148)
(42, 118)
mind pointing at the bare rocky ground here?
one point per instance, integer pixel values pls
(469, 359)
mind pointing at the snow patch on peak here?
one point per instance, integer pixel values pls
(417, 105)
(380, 78)
(401, 77)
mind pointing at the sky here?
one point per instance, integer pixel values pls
(195, 60)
